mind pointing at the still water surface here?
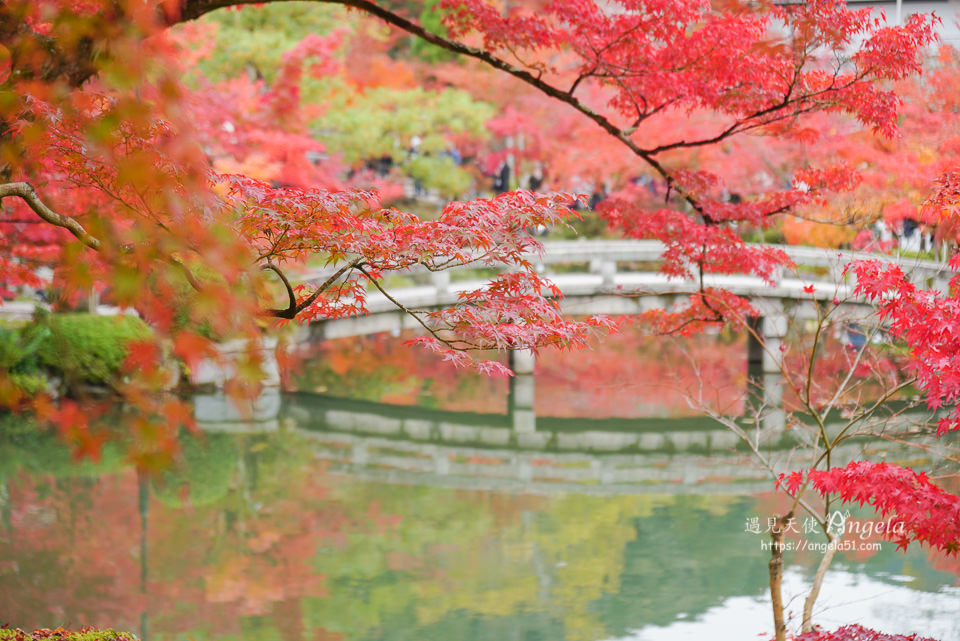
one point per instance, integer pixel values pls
(354, 520)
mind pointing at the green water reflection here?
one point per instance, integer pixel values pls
(256, 538)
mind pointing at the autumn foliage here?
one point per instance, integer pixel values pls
(856, 633)
(199, 201)
(60, 634)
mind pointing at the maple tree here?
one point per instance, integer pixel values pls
(828, 399)
(124, 178)
(794, 83)
(922, 319)
(896, 174)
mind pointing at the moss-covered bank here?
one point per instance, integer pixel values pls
(67, 351)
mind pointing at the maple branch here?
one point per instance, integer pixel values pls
(579, 79)
(808, 603)
(756, 119)
(870, 411)
(942, 452)
(187, 274)
(706, 301)
(291, 296)
(457, 344)
(850, 370)
(754, 446)
(821, 321)
(192, 9)
(294, 308)
(25, 192)
(46, 58)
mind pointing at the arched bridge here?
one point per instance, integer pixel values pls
(622, 277)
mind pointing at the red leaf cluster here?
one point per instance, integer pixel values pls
(856, 632)
(929, 322)
(58, 634)
(930, 515)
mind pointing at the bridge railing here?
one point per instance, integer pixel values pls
(609, 259)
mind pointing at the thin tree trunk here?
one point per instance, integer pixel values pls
(776, 574)
(832, 544)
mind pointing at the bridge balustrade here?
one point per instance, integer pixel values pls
(621, 277)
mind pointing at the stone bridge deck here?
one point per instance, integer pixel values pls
(620, 277)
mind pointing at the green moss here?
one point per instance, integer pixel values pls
(20, 346)
(30, 384)
(87, 348)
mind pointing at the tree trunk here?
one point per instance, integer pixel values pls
(832, 543)
(776, 574)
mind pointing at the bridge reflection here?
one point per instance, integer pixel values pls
(414, 445)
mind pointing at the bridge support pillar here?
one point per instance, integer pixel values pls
(441, 281)
(522, 389)
(607, 270)
(765, 359)
(523, 468)
(522, 361)
(441, 462)
(233, 353)
(360, 455)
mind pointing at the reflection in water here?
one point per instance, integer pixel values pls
(847, 596)
(456, 512)
(627, 375)
(257, 537)
(612, 456)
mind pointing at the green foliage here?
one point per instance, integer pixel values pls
(773, 235)
(30, 384)
(15, 426)
(587, 225)
(255, 39)
(20, 347)
(87, 348)
(431, 18)
(440, 173)
(382, 121)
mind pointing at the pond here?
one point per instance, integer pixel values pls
(415, 510)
